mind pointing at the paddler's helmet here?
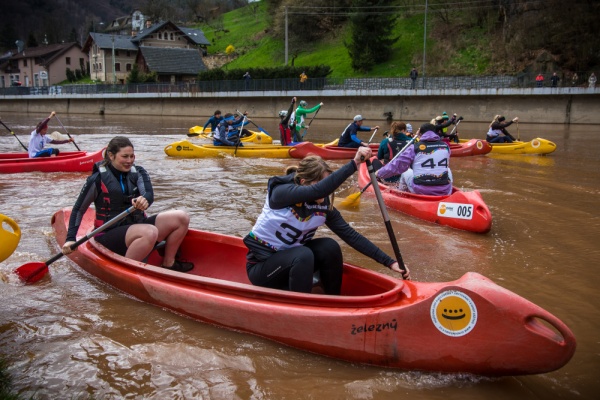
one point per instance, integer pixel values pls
(303, 103)
(282, 113)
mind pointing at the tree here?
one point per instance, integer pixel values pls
(371, 26)
(31, 40)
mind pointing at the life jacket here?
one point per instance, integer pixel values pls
(112, 201)
(494, 132)
(286, 134)
(430, 165)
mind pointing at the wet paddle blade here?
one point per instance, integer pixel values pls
(351, 201)
(32, 272)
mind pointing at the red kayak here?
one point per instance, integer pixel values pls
(460, 210)
(333, 152)
(472, 147)
(469, 325)
(70, 161)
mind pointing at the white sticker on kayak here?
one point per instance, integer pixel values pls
(453, 313)
(455, 210)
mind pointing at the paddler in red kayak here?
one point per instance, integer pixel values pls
(38, 139)
(116, 184)
(282, 250)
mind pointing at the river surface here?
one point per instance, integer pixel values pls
(72, 336)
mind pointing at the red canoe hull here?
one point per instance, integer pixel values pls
(473, 147)
(460, 210)
(74, 161)
(377, 320)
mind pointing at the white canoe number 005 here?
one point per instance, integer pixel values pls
(455, 210)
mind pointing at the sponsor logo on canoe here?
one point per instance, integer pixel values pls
(86, 162)
(479, 145)
(183, 148)
(453, 313)
(393, 324)
(455, 210)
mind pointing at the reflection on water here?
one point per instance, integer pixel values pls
(73, 335)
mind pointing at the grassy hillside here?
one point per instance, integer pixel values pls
(249, 34)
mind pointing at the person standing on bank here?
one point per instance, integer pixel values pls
(38, 139)
(539, 80)
(115, 185)
(498, 133)
(247, 79)
(592, 81)
(554, 80)
(349, 137)
(414, 74)
(282, 250)
(303, 78)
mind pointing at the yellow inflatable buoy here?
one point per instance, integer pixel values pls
(9, 239)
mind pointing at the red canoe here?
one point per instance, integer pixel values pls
(468, 325)
(472, 147)
(460, 210)
(332, 152)
(70, 161)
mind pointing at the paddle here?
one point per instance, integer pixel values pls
(311, 120)
(12, 133)
(518, 133)
(34, 271)
(354, 199)
(9, 239)
(61, 124)
(239, 136)
(386, 217)
(453, 129)
(252, 122)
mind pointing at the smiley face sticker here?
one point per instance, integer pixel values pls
(453, 313)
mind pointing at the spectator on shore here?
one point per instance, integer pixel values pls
(303, 78)
(414, 74)
(574, 79)
(554, 80)
(592, 80)
(247, 79)
(539, 80)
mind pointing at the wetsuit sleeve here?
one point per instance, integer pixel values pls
(207, 123)
(88, 194)
(358, 242)
(144, 185)
(283, 195)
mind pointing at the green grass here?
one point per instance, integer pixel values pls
(468, 52)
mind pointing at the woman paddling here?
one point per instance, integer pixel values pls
(116, 184)
(498, 133)
(282, 250)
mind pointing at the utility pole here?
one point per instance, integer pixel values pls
(424, 42)
(113, 60)
(286, 36)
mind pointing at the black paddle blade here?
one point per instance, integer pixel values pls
(32, 272)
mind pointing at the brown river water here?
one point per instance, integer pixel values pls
(72, 336)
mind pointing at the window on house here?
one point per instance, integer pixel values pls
(128, 53)
(24, 62)
(81, 62)
(160, 36)
(68, 60)
(172, 37)
(128, 67)
(99, 66)
(116, 53)
(118, 67)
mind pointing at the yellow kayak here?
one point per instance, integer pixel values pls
(186, 149)
(535, 146)
(9, 238)
(255, 137)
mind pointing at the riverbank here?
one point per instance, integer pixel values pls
(535, 105)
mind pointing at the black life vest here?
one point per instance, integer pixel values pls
(112, 201)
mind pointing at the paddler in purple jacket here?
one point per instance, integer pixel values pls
(424, 165)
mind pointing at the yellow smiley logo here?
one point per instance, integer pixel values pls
(442, 209)
(454, 313)
(422, 147)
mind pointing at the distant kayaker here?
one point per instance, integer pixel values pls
(300, 115)
(282, 250)
(285, 130)
(226, 133)
(116, 184)
(38, 139)
(349, 137)
(213, 121)
(498, 133)
(441, 123)
(424, 166)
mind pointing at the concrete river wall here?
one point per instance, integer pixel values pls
(533, 105)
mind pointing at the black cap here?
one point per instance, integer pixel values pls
(427, 127)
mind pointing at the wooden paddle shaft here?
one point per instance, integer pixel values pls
(12, 133)
(386, 217)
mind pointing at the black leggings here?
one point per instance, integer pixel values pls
(292, 269)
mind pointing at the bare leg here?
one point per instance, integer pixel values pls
(172, 227)
(140, 240)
